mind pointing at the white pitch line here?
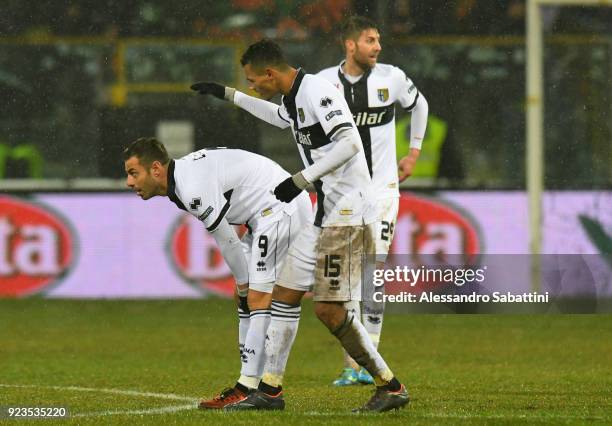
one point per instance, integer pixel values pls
(158, 410)
(112, 391)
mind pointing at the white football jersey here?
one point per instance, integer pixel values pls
(237, 185)
(316, 111)
(372, 101)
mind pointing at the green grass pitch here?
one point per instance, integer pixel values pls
(147, 362)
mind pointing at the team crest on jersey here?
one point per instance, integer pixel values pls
(383, 95)
(301, 115)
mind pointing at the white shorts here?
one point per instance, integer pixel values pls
(385, 226)
(266, 249)
(328, 261)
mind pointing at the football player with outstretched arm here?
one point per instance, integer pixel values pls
(327, 258)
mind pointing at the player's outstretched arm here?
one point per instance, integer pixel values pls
(210, 88)
(264, 110)
(229, 244)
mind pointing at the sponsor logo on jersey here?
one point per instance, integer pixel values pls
(368, 119)
(383, 95)
(301, 115)
(261, 266)
(412, 88)
(333, 114)
(36, 247)
(346, 212)
(206, 213)
(325, 102)
(303, 138)
(195, 203)
(266, 212)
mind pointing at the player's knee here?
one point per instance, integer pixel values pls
(287, 295)
(258, 300)
(330, 313)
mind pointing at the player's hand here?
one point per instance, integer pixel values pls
(209, 88)
(406, 164)
(287, 190)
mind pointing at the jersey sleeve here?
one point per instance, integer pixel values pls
(408, 94)
(231, 249)
(264, 110)
(329, 107)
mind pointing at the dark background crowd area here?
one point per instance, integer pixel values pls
(81, 79)
(289, 19)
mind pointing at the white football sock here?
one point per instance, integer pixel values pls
(253, 354)
(243, 326)
(372, 319)
(281, 335)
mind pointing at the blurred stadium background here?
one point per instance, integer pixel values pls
(79, 80)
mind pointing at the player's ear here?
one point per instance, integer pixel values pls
(349, 44)
(156, 168)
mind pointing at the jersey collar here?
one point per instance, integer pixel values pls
(172, 187)
(296, 86)
(345, 81)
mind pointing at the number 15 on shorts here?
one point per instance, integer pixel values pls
(332, 265)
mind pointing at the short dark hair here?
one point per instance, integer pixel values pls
(353, 26)
(147, 150)
(263, 53)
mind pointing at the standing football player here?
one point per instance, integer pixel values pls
(371, 90)
(327, 258)
(225, 187)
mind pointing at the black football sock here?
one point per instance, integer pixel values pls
(393, 386)
(269, 390)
